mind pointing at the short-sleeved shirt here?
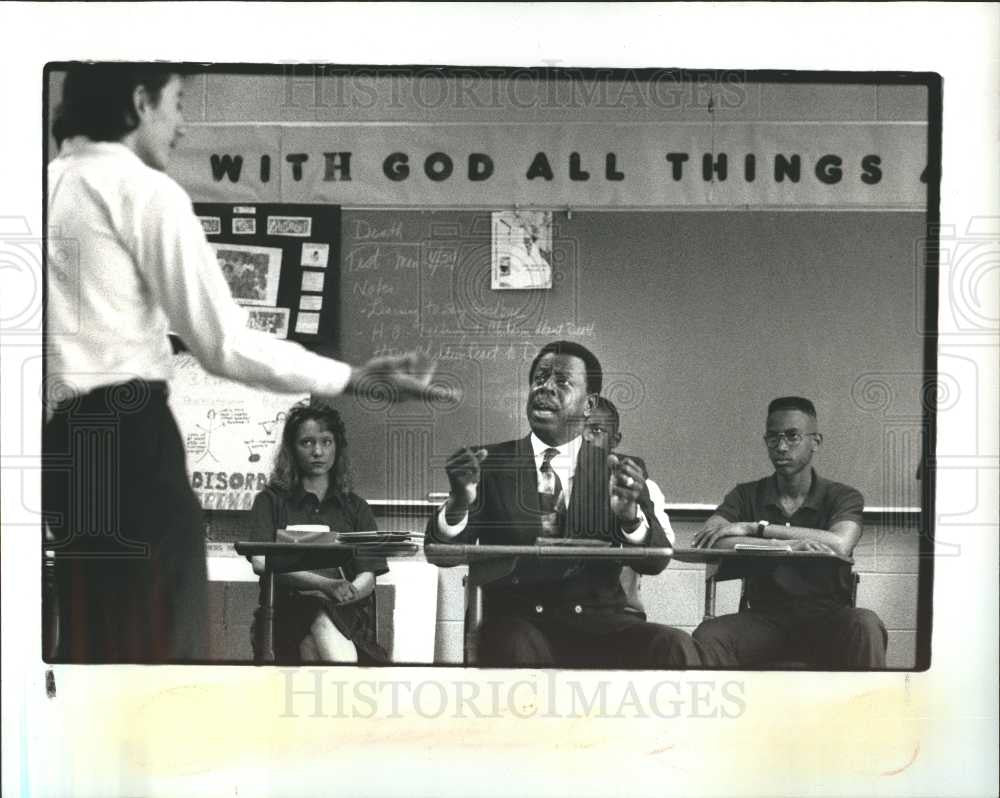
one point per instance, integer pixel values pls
(817, 584)
(341, 512)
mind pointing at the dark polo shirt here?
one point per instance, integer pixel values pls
(274, 510)
(819, 585)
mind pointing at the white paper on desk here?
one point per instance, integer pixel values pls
(307, 528)
(307, 324)
(310, 302)
(313, 281)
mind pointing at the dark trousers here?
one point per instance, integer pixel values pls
(126, 531)
(846, 637)
(511, 641)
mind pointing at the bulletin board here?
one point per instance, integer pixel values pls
(283, 263)
(305, 241)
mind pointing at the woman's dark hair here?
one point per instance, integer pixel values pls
(285, 475)
(97, 99)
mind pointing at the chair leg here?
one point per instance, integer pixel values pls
(264, 650)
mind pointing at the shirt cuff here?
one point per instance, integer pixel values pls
(449, 531)
(638, 535)
(335, 379)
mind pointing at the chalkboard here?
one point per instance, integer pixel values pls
(699, 319)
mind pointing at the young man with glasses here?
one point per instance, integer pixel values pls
(801, 610)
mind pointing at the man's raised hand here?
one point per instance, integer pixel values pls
(463, 477)
(625, 486)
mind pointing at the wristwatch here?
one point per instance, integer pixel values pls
(761, 526)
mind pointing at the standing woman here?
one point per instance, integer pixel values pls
(326, 616)
(126, 262)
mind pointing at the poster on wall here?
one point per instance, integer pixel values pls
(230, 433)
(521, 249)
(252, 272)
(269, 320)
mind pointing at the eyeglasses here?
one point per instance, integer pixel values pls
(792, 438)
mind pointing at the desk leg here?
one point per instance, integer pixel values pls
(473, 615)
(50, 607)
(711, 569)
(265, 623)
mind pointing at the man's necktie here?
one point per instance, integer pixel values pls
(550, 498)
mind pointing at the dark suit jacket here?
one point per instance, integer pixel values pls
(506, 512)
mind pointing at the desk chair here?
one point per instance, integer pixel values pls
(715, 573)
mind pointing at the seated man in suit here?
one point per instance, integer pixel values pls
(795, 610)
(603, 429)
(553, 483)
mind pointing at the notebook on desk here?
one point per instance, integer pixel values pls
(762, 547)
(372, 537)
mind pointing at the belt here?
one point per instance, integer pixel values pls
(118, 397)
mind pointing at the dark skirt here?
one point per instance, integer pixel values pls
(294, 615)
(126, 531)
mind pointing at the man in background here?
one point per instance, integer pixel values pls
(603, 429)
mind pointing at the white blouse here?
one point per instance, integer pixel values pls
(128, 261)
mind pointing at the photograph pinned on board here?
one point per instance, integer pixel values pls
(289, 226)
(313, 282)
(244, 226)
(269, 320)
(315, 255)
(212, 225)
(521, 249)
(307, 324)
(252, 272)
